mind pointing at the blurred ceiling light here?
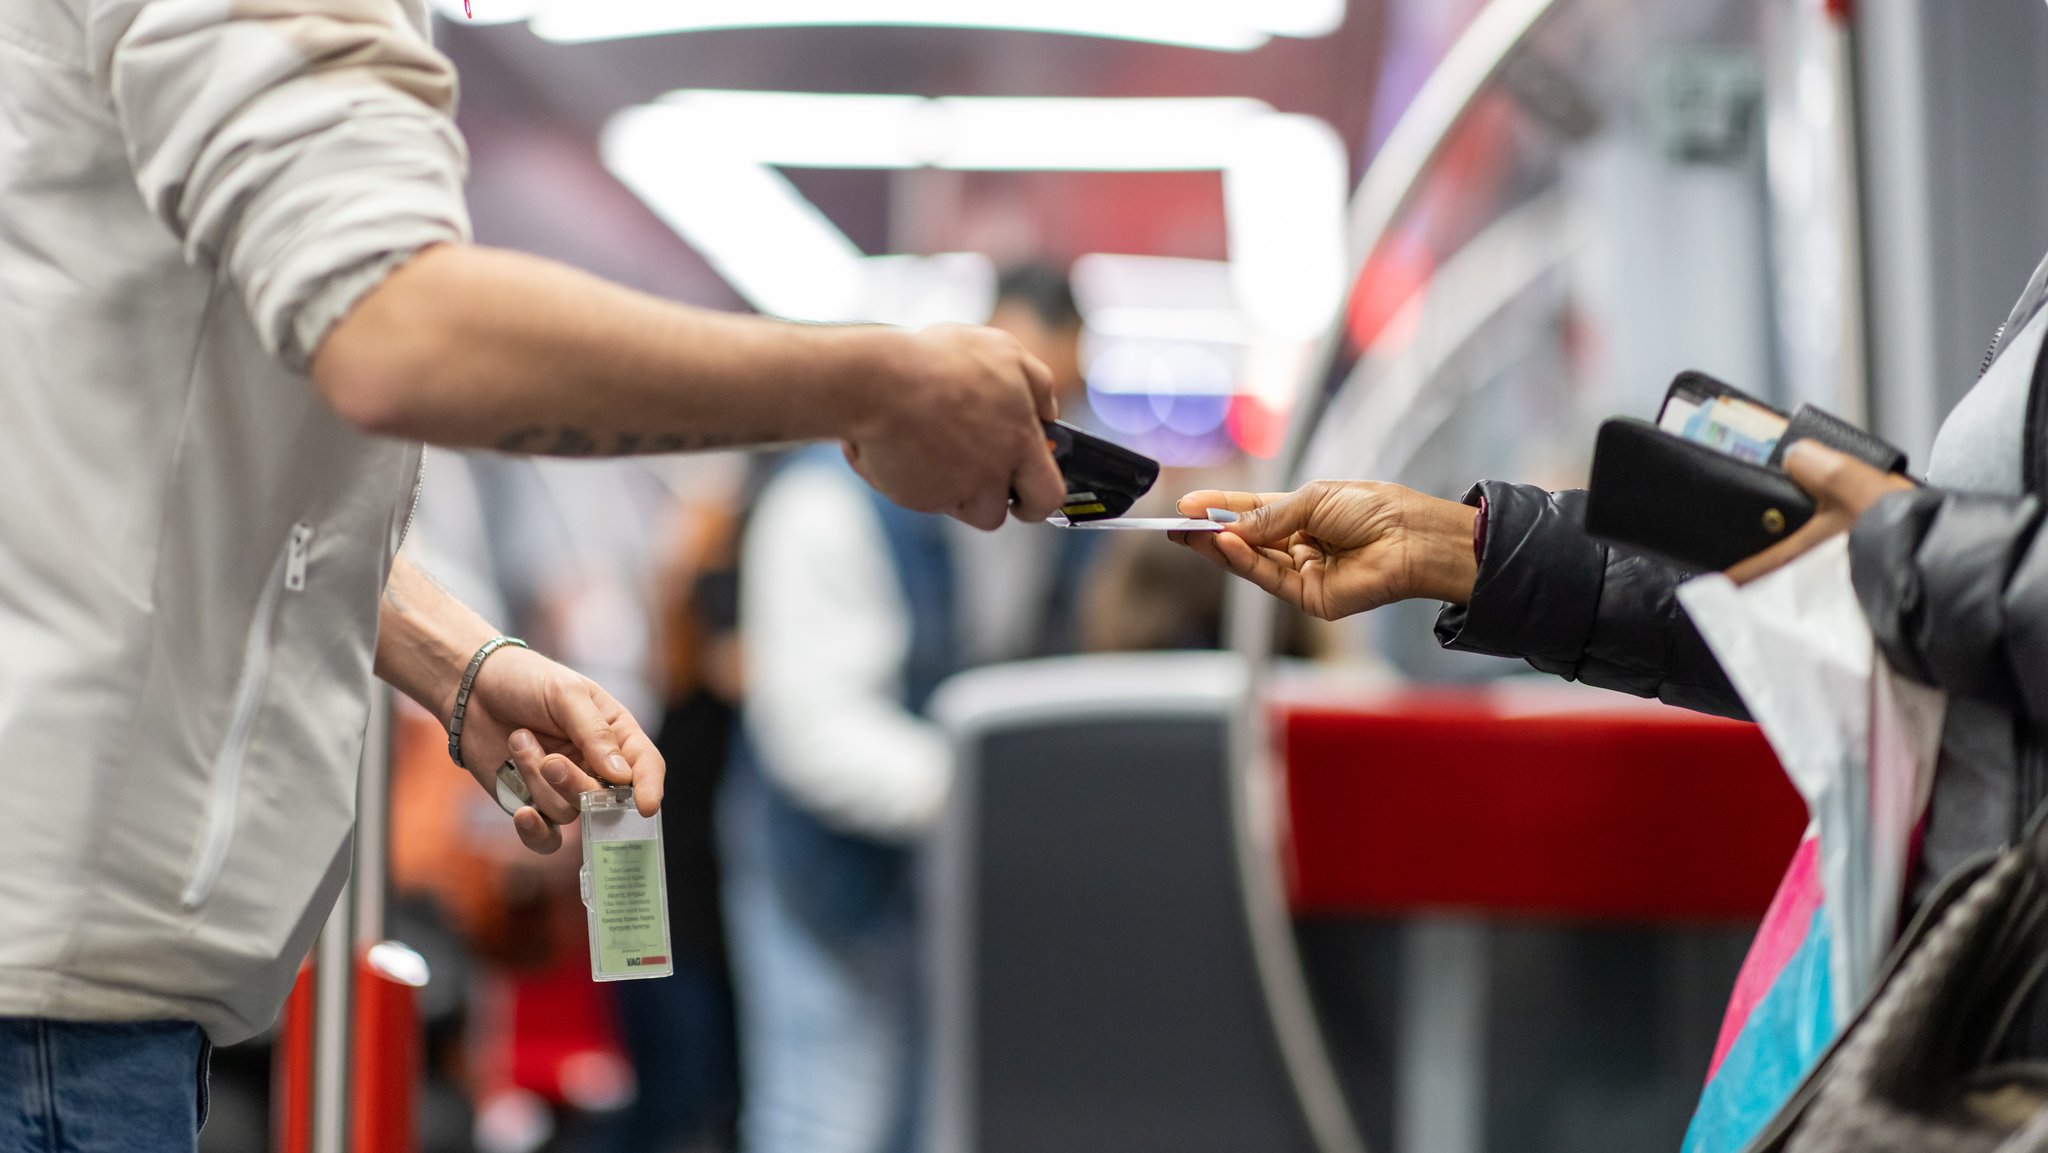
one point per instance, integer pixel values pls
(1163, 368)
(1120, 280)
(1223, 25)
(988, 133)
(752, 225)
(1204, 325)
(705, 162)
(1159, 298)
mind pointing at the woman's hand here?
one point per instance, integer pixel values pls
(1842, 488)
(1333, 548)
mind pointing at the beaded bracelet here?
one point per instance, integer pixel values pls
(469, 685)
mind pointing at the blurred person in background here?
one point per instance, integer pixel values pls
(236, 292)
(681, 1032)
(851, 613)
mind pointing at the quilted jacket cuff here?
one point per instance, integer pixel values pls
(1539, 579)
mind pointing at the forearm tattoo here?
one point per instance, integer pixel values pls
(568, 440)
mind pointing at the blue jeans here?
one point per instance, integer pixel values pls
(824, 948)
(93, 1087)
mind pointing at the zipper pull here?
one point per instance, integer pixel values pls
(296, 556)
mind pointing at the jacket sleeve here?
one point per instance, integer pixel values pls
(303, 148)
(1574, 607)
(1956, 589)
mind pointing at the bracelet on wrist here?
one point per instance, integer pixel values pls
(468, 686)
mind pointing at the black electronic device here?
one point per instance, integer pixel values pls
(1103, 479)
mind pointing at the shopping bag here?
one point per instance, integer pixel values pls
(1859, 743)
(1780, 1018)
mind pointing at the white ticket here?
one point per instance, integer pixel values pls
(1142, 524)
(1218, 517)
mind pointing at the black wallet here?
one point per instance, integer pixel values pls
(1703, 502)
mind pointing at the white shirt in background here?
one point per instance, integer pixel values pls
(826, 632)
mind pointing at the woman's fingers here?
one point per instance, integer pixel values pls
(1841, 485)
(1263, 518)
(1270, 569)
(1823, 525)
(1836, 478)
(1822, 471)
(1197, 504)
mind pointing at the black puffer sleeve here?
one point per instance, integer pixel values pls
(1570, 605)
(1956, 589)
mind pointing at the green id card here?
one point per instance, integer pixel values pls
(624, 889)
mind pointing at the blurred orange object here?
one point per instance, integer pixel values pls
(451, 842)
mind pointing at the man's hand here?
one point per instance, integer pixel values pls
(566, 735)
(1333, 548)
(1842, 487)
(957, 430)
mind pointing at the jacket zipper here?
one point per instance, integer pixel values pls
(218, 833)
(2034, 460)
(1991, 354)
(419, 484)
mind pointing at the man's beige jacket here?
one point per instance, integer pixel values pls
(192, 545)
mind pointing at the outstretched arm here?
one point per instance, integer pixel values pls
(476, 347)
(307, 152)
(566, 734)
(1955, 588)
(1538, 589)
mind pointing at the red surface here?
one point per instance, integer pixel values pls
(291, 1070)
(1449, 802)
(387, 1066)
(387, 1063)
(559, 1020)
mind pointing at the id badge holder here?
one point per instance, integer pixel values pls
(624, 890)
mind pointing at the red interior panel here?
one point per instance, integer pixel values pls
(1452, 801)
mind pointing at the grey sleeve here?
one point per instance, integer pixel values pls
(304, 148)
(1571, 606)
(1956, 589)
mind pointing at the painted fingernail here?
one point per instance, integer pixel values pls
(618, 766)
(522, 742)
(1222, 516)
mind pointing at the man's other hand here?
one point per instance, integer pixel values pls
(957, 430)
(1334, 548)
(566, 735)
(1842, 488)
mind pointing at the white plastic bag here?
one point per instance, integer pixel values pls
(1858, 740)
